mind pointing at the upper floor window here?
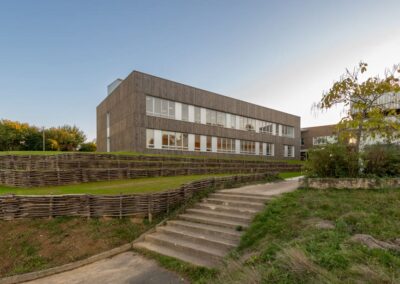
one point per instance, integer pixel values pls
(287, 131)
(323, 140)
(197, 114)
(266, 127)
(185, 112)
(160, 107)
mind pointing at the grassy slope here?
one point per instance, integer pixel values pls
(238, 157)
(285, 175)
(283, 244)
(31, 245)
(140, 185)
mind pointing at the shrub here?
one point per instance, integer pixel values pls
(332, 160)
(88, 147)
(382, 160)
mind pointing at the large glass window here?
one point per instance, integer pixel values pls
(269, 149)
(288, 151)
(197, 142)
(225, 145)
(221, 119)
(209, 144)
(287, 131)
(266, 127)
(160, 107)
(233, 121)
(247, 147)
(197, 115)
(150, 138)
(185, 112)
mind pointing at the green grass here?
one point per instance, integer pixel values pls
(283, 244)
(140, 185)
(238, 157)
(285, 175)
(31, 245)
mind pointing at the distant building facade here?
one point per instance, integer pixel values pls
(316, 136)
(144, 113)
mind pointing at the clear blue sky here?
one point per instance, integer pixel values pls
(57, 57)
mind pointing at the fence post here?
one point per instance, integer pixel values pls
(120, 205)
(88, 205)
(150, 204)
(51, 208)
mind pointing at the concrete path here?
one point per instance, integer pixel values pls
(268, 189)
(128, 267)
(205, 233)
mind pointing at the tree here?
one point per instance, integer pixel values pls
(368, 105)
(88, 147)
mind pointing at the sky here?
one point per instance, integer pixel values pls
(57, 57)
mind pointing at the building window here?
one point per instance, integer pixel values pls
(260, 148)
(247, 147)
(108, 141)
(233, 121)
(185, 112)
(175, 140)
(209, 144)
(197, 142)
(288, 131)
(150, 138)
(211, 117)
(225, 145)
(266, 127)
(288, 151)
(269, 149)
(221, 119)
(197, 115)
(302, 141)
(323, 140)
(160, 107)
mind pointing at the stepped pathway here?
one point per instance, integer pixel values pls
(205, 233)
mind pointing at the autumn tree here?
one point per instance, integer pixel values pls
(370, 105)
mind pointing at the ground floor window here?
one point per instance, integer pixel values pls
(288, 151)
(171, 140)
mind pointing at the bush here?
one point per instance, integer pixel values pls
(333, 160)
(88, 147)
(382, 160)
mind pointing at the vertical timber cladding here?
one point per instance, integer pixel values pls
(127, 107)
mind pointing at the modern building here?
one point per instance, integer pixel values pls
(316, 136)
(144, 113)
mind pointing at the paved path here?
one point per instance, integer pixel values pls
(269, 189)
(130, 267)
(127, 267)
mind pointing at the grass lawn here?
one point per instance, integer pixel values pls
(140, 185)
(284, 244)
(289, 174)
(31, 245)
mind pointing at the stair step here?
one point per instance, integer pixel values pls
(220, 215)
(199, 238)
(187, 247)
(230, 209)
(232, 192)
(213, 221)
(234, 203)
(238, 197)
(190, 258)
(210, 230)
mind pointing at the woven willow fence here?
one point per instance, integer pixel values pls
(34, 171)
(47, 206)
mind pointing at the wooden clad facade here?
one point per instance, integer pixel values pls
(126, 106)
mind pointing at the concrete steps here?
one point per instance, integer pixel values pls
(204, 234)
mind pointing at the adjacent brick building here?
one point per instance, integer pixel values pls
(316, 136)
(144, 113)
